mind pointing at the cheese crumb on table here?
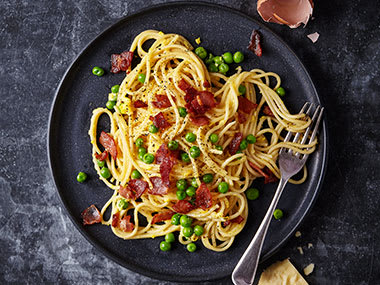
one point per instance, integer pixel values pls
(300, 250)
(308, 269)
(309, 245)
(198, 41)
(283, 273)
(297, 234)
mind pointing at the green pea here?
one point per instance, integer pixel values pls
(175, 220)
(185, 157)
(191, 247)
(141, 77)
(238, 57)
(190, 137)
(98, 71)
(201, 52)
(136, 174)
(148, 158)
(153, 129)
(242, 89)
(169, 237)
(212, 67)
(223, 187)
(219, 147)
(185, 221)
(278, 214)
(251, 139)
(194, 183)
(165, 246)
(238, 152)
(195, 151)
(190, 191)
(173, 145)
(139, 142)
(218, 60)
(207, 178)
(110, 105)
(223, 68)
(213, 138)
(252, 193)
(81, 177)
(141, 150)
(123, 204)
(105, 172)
(227, 56)
(181, 184)
(141, 156)
(181, 194)
(198, 230)
(243, 144)
(100, 163)
(280, 91)
(115, 88)
(182, 112)
(187, 231)
(210, 59)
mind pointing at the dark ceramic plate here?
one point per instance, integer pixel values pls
(221, 29)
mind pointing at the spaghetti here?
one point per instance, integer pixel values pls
(174, 78)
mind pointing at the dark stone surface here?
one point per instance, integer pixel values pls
(39, 39)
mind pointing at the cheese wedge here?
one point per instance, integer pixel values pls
(282, 273)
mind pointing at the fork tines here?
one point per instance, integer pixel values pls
(315, 121)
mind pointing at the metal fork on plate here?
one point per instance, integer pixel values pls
(290, 164)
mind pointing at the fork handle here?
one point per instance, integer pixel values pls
(245, 270)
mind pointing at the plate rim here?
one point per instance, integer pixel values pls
(54, 103)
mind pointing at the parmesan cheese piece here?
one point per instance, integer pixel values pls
(308, 269)
(198, 41)
(283, 273)
(300, 250)
(309, 245)
(297, 234)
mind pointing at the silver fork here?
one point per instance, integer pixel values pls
(290, 164)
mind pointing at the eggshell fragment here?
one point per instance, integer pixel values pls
(313, 37)
(290, 12)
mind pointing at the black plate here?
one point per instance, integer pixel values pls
(221, 29)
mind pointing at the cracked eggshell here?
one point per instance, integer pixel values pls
(289, 12)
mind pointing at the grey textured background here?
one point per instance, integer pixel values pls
(39, 39)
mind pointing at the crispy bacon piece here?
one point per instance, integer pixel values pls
(125, 224)
(265, 172)
(237, 220)
(235, 143)
(91, 216)
(246, 105)
(103, 156)
(109, 144)
(267, 111)
(166, 159)
(162, 102)
(115, 219)
(203, 198)
(183, 207)
(159, 121)
(121, 62)
(159, 186)
(163, 216)
(255, 43)
(134, 189)
(199, 120)
(206, 84)
(197, 103)
(241, 118)
(201, 103)
(139, 104)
